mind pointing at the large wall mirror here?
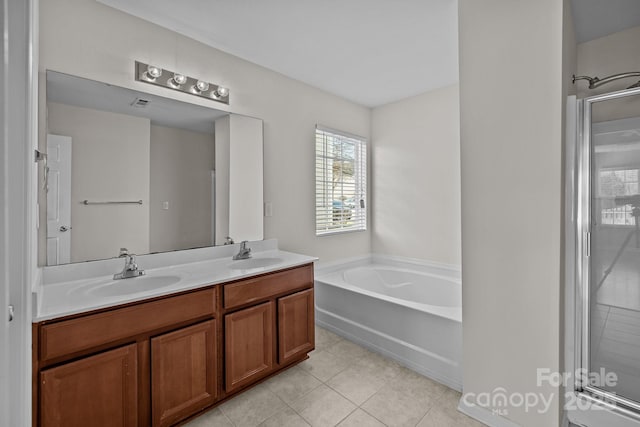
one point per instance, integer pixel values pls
(127, 169)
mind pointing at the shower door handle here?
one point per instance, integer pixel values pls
(587, 244)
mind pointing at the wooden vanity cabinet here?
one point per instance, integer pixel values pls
(183, 372)
(248, 345)
(296, 331)
(274, 330)
(105, 368)
(99, 390)
(162, 361)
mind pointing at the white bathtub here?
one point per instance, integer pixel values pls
(406, 310)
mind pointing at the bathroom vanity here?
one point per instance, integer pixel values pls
(160, 360)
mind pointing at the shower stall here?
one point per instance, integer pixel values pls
(602, 240)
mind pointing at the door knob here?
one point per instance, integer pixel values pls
(64, 228)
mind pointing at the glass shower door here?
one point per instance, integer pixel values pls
(611, 243)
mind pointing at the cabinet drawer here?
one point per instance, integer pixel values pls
(259, 288)
(72, 336)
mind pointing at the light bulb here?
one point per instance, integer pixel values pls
(153, 72)
(178, 79)
(201, 86)
(221, 92)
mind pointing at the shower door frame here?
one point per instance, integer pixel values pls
(583, 250)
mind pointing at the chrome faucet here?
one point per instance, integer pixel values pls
(244, 252)
(130, 267)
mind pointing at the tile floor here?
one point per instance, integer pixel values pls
(342, 384)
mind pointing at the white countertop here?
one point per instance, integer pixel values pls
(78, 295)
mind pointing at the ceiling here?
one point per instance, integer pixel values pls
(593, 19)
(371, 52)
(71, 90)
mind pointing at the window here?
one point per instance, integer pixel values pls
(341, 182)
(615, 187)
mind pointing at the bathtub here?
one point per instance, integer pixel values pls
(406, 310)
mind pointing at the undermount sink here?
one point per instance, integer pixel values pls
(250, 263)
(133, 285)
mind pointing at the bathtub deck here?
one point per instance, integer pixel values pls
(342, 384)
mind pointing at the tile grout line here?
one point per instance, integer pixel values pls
(228, 419)
(350, 362)
(226, 416)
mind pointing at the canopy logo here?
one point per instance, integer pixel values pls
(499, 400)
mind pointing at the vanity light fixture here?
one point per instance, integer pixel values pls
(178, 79)
(221, 92)
(153, 72)
(157, 76)
(201, 86)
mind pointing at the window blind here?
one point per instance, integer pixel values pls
(341, 182)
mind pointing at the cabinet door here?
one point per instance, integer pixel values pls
(99, 391)
(248, 344)
(183, 372)
(296, 332)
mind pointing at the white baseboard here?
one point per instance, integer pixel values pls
(484, 415)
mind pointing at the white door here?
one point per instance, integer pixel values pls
(58, 199)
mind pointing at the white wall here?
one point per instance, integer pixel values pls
(511, 162)
(181, 166)
(612, 54)
(88, 39)
(416, 177)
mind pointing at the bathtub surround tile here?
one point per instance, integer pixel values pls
(324, 365)
(252, 407)
(213, 418)
(325, 338)
(359, 418)
(292, 384)
(395, 409)
(285, 418)
(323, 407)
(356, 384)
